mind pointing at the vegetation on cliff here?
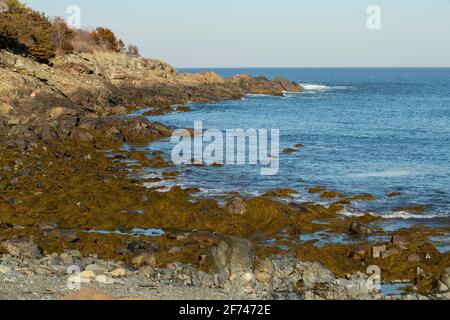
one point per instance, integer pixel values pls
(31, 33)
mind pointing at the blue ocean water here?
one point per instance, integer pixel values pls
(371, 131)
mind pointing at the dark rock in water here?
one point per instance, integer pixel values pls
(232, 259)
(400, 242)
(236, 206)
(360, 229)
(22, 248)
(289, 150)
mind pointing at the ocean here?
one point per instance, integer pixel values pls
(374, 131)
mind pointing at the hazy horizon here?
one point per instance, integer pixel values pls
(262, 34)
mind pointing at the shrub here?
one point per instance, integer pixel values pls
(106, 39)
(26, 31)
(133, 51)
(83, 41)
(62, 36)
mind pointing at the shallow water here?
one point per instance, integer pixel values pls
(371, 131)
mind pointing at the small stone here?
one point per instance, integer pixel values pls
(442, 287)
(75, 254)
(389, 253)
(137, 246)
(85, 137)
(236, 206)
(400, 242)
(79, 280)
(87, 274)
(66, 259)
(360, 229)
(446, 277)
(69, 235)
(359, 253)
(47, 226)
(263, 277)
(5, 269)
(96, 268)
(105, 279)
(378, 250)
(175, 250)
(119, 272)
(141, 259)
(414, 258)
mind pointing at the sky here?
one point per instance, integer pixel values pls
(269, 33)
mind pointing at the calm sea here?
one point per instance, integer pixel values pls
(371, 131)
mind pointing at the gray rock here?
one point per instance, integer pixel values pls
(232, 259)
(360, 229)
(105, 279)
(68, 235)
(22, 248)
(442, 287)
(96, 268)
(400, 242)
(236, 206)
(5, 269)
(314, 273)
(175, 250)
(66, 259)
(446, 277)
(141, 259)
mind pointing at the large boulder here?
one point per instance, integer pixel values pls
(21, 248)
(232, 259)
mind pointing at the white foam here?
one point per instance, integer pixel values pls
(404, 215)
(320, 87)
(255, 95)
(315, 87)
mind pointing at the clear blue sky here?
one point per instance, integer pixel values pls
(282, 33)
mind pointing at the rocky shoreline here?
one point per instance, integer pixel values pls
(72, 196)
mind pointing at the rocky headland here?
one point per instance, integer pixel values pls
(70, 195)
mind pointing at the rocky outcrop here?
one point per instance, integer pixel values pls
(78, 91)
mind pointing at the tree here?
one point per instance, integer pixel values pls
(62, 36)
(26, 31)
(106, 39)
(133, 51)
